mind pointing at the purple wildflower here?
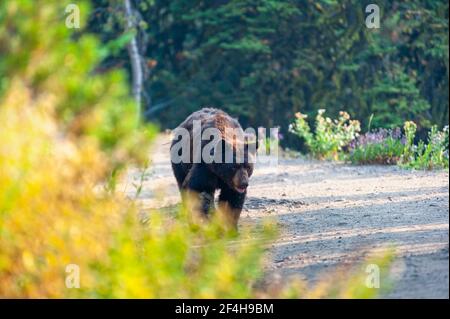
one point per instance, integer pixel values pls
(378, 136)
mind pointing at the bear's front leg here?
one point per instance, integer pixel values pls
(230, 206)
(198, 191)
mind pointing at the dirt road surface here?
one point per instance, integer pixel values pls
(330, 213)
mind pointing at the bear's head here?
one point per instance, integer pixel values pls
(235, 162)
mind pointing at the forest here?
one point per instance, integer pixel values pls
(265, 60)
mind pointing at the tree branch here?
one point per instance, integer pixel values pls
(135, 58)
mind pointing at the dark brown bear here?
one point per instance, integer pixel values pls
(200, 179)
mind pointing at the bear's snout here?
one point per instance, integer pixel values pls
(240, 180)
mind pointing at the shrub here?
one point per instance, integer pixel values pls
(340, 139)
(330, 136)
(63, 130)
(430, 155)
(410, 133)
(380, 146)
(170, 258)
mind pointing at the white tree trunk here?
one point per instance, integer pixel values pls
(135, 58)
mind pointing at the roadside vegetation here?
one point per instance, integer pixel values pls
(341, 139)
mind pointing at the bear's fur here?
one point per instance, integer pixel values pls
(201, 180)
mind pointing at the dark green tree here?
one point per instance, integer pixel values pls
(264, 60)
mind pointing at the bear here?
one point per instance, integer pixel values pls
(227, 169)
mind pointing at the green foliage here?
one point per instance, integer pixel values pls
(377, 147)
(430, 155)
(168, 258)
(410, 129)
(63, 130)
(340, 139)
(330, 136)
(94, 107)
(268, 59)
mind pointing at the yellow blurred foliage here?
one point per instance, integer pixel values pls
(47, 202)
